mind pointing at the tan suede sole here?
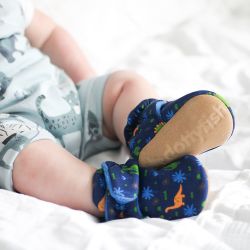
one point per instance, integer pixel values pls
(202, 123)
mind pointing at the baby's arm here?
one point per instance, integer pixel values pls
(44, 34)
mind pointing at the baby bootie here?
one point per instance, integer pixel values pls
(174, 191)
(158, 132)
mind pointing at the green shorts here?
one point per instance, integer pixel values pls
(70, 116)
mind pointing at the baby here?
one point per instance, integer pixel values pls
(55, 112)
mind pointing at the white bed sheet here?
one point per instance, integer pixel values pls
(179, 46)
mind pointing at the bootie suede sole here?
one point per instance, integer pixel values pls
(202, 123)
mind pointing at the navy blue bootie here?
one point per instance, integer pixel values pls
(174, 191)
(158, 132)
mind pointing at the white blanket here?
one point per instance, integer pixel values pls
(179, 46)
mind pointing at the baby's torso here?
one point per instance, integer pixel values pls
(31, 86)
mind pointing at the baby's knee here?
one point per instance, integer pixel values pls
(125, 76)
(28, 154)
(26, 164)
(124, 79)
(117, 83)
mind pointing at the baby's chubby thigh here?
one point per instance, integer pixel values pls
(123, 91)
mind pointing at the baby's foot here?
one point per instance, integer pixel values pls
(174, 191)
(158, 132)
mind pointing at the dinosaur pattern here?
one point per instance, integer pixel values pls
(133, 169)
(178, 200)
(171, 192)
(64, 123)
(151, 115)
(8, 48)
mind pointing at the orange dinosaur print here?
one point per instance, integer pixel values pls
(101, 204)
(178, 200)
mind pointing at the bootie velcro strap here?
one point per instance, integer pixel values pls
(116, 189)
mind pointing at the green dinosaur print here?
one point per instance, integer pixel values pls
(198, 176)
(158, 208)
(165, 195)
(113, 176)
(203, 204)
(136, 151)
(133, 169)
(172, 166)
(139, 141)
(158, 127)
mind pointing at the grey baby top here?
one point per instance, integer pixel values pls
(30, 85)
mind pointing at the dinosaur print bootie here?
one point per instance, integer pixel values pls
(158, 132)
(176, 190)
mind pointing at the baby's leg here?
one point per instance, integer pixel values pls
(123, 91)
(32, 162)
(47, 171)
(164, 131)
